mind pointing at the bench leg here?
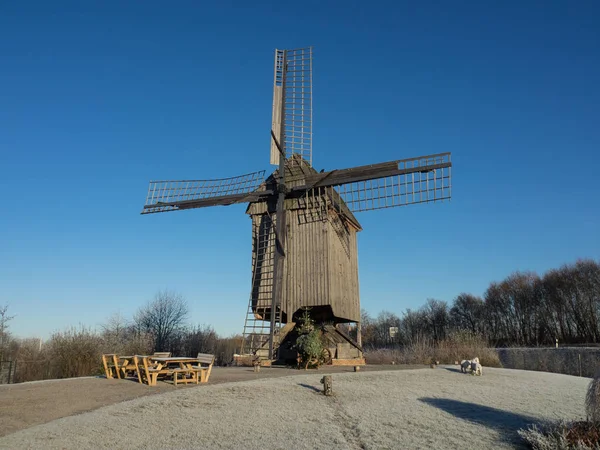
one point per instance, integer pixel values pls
(116, 363)
(107, 370)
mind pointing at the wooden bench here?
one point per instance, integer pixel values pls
(111, 364)
(204, 371)
(184, 372)
(129, 364)
(147, 370)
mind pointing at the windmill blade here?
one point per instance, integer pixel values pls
(386, 185)
(176, 195)
(292, 104)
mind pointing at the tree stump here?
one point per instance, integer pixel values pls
(356, 368)
(327, 387)
(257, 367)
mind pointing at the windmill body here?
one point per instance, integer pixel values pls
(304, 246)
(320, 268)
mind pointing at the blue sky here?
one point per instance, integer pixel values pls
(98, 98)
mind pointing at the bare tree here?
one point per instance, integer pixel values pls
(4, 334)
(467, 313)
(164, 318)
(436, 312)
(115, 327)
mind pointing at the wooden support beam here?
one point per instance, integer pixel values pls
(362, 173)
(222, 200)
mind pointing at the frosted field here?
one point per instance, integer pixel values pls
(423, 408)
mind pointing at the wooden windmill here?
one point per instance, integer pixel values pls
(304, 249)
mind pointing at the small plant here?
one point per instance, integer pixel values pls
(309, 344)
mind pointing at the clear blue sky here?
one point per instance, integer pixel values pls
(98, 98)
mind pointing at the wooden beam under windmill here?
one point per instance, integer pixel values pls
(304, 247)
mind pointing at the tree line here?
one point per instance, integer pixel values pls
(524, 309)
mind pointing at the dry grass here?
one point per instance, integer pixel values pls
(562, 435)
(457, 347)
(72, 353)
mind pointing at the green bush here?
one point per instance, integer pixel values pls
(309, 343)
(310, 348)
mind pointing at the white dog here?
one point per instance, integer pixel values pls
(470, 365)
(476, 368)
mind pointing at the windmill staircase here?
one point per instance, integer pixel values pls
(257, 325)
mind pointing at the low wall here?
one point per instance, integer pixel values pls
(578, 361)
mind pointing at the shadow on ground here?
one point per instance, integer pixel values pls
(308, 386)
(505, 422)
(453, 369)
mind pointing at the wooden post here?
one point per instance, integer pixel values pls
(356, 368)
(327, 387)
(257, 367)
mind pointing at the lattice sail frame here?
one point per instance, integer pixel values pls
(163, 194)
(292, 104)
(387, 192)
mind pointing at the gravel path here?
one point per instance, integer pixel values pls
(423, 408)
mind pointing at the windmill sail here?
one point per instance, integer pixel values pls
(186, 194)
(292, 104)
(418, 180)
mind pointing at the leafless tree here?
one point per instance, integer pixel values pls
(467, 313)
(115, 327)
(436, 312)
(414, 326)
(164, 318)
(4, 334)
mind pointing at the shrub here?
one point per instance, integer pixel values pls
(75, 353)
(592, 399)
(310, 348)
(456, 347)
(562, 436)
(309, 343)
(466, 345)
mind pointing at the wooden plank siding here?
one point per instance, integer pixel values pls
(343, 269)
(320, 266)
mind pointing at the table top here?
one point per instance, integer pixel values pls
(173, 359)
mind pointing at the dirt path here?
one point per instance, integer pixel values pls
(28, 404)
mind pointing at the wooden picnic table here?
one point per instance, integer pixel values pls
(150, 367)
(185, 368)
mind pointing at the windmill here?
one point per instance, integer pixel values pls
(304, 248)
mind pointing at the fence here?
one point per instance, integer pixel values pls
(8, 369)
(578, 361)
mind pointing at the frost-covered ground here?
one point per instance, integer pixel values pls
(423, 408)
